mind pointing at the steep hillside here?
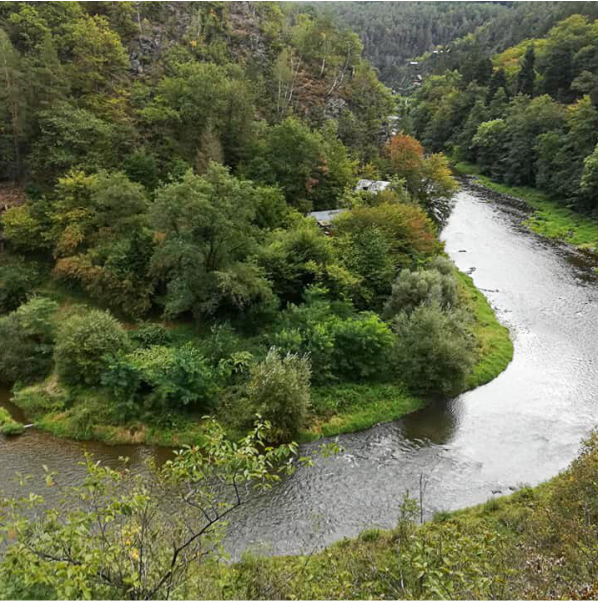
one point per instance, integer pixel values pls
(527, 116)
(393, 32)
(125, 76)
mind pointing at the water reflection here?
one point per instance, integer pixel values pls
(435, 424)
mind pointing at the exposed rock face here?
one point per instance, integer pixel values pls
(334, 107)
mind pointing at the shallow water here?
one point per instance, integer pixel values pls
(523, 427)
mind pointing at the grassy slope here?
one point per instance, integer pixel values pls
(550, 219)
(536, 543)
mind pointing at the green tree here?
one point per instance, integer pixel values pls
(17, 279)
(489, 144)
(99, 60)
(498, 82)
(278, 390)
(85, 344)
(435, 285)
(527, 75)
(138, 536)
(207, 238)
(27, 341)
(589, 180)
(72, 138)
(13, 97)
(434, 351)
(161, 378)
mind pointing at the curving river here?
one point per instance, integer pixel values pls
(522, 427)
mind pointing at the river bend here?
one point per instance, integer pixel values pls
(523, 427)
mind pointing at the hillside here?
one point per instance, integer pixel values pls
(393, 32)
(159, 263)
(526, 116)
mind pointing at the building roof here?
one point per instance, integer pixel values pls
(368, 185)
(325, 217)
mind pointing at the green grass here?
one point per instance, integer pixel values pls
(88, 414)
(495, 344)
(9, 426)
(550, 219)
(344, 408)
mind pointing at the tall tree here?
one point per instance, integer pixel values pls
(527, 75)
(498, 81)
(12, 101)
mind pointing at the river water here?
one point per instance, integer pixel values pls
(521, 428)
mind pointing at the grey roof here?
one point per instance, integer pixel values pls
(368, 185)
(325, 217)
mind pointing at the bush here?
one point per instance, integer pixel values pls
(161, 377)
(150, 334)
(434, 351)
(362, 346)
(222, 342)
(12, 429)
(436, 285)
(338, 343)
(278, 389)
(17, 278)
(85, 344)
(27, 337)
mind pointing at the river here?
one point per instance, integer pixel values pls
(521, 428)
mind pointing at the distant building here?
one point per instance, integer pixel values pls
(368, 185)
(324, 218)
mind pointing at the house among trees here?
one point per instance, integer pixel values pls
(324, 218)
(368, 185)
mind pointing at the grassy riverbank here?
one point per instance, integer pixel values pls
(351, 408)
(8, 425)
(550, 219)
(536, 543)
(86, 414)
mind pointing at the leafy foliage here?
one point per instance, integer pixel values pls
(434, 351)
(27, 341)
(84, 345)
(278, 390)
(160, 378)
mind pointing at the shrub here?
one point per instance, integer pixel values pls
(163, 377)
(12, 429)
(85, 344)
(362, 346)
(17, 278)
(436, 285)
(434, 351)
(221, 342)
(27, 337)
(150, 334)
(278, 389)
(339, 343)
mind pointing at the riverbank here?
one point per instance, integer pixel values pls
(353, 408)
(549, 218)
(536, 543)
(83, 414)
(8, 425)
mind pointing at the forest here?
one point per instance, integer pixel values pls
(165, 284)
(526, 116)
(159, 263)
